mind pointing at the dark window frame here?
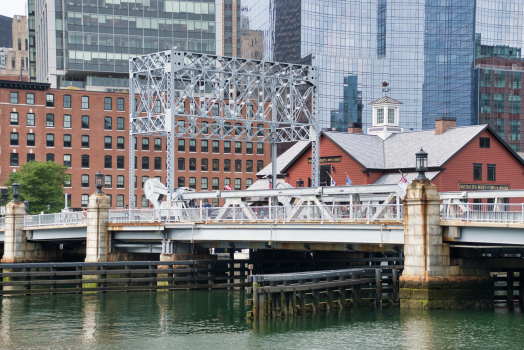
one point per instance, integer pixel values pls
(477, 172)
(492, 172)
(484, 142)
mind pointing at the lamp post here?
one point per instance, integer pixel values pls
(99, 182)
(300, 183)
(15, 191)
(26, 205)
(48, 208)
(422, 164)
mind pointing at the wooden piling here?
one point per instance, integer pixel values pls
(510, 289)
(256, 306)
(329, 296)
(355, 291)
(378, 287)
(315, 297)
(273, 300)
(395, 285)
(342, 294)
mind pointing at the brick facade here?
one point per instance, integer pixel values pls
(89, 140)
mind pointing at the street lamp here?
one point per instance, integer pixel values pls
(26, 205)
(48, 208)
(300, 183)
(15, 188)
(99, 182)
(422, 164)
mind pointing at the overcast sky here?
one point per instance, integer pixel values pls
(10, 8)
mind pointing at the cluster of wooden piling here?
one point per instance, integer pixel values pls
(509, 287)
(281, 295)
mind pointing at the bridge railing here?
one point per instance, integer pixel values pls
(326, 213)
(483, 212)
(2, 223)
(56, 219)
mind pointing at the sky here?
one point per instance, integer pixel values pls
(10, 8)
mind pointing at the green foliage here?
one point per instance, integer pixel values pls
(41, 183)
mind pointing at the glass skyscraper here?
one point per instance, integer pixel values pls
(473, 64)
(357, 45)
(88, 43)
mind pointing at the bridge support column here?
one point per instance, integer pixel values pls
(429, 281)
(98, 239)
(16, 247)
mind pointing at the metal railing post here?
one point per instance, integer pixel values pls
(522, 213)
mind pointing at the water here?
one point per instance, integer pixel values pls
(216, 320)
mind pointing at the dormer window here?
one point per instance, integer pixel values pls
(380, 116)
(391, 115)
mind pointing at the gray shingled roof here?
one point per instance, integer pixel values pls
(394, 178)
(386, 100)
(285, 158)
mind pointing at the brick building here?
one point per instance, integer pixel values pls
(89, 131)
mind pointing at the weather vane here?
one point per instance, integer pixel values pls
(385, 87)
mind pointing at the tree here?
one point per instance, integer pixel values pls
(41, 183)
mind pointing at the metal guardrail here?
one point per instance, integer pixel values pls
(56, 219)
(2, 223)
(483, 212)
(304, 213)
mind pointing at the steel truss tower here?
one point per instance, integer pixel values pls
(178, 94)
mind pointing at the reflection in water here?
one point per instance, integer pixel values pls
(216, 320)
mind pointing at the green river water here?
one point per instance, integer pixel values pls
(216, 320)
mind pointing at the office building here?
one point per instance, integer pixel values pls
(16, 57)
(6, 39)
(473, 64)
(357, 45)
(87, 44)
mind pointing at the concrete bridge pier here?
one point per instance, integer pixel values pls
(16, 247)
(431, 280)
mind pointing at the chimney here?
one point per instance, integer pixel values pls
(355, 128)
(444, 123)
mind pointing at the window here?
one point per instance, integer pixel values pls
(216, 111)
(19, 44)
(49, 120)
(203, 147)
(227, 127)
(85, 141)
(517, 80)
(227, 181)
(144, 179)
(30, 139)
(85, 180)
(215, 165)
(145, 144)
(181, 181)
(67, 183)
(67, 121)
(249, 182)
(181, 145)
(227, 147)
(238, 184)
(181, 127)
(14, 118)
(50, 100)
(120, 104)
(85, 160)
(203, 183)
(108, 162)
(30, 157)
(85, 102)
(135, 143)
(515, 130)
(203, 164)
(181, 164)
(110, 199)
(477, 172)
(238, 147)
(107, 103)
(50, 157)
(67, 160)
(67, 140)
(238, 128)
(158, 144)
(120, 162)
(85, 200)
(491, 172)
(260, 128)
(30, 99)
(108, 123)
(158, 163)
(145, 163)
(500, 78)
(30, 119)
(50, 140)
(145, 202)
(13, 65)
(498, 103)
(67, 101)
(85, 122)
(380, 116)
(238, 165)
(13, 97)
(260, 148)
(514, 104)
(108, 142)
(227, 165)
(391, 115)
(120, 181)
(120, 123)
(249, 147)
(214, 183)
(205, 128)
(192, 183)
(260, 165)
(108, 181)
(13, 159)
(192, 145)
(484, 142)
(120, 142)
(192, 164)
(14, 139)
(249, 166)
(215, 147)
(120, 200)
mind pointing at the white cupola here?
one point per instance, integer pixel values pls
(385, 117)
